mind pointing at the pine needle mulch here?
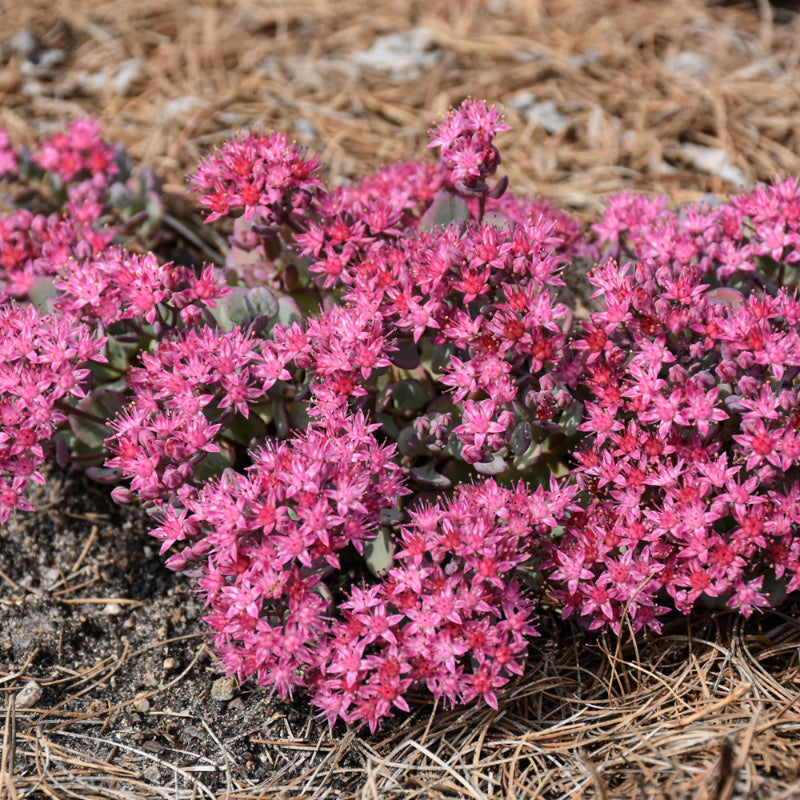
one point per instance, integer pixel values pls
(704, 711)
(682, 97)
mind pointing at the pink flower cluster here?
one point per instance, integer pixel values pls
(484, 293)
(31, 245)
(452, 615)
(117, 285)
(418, 345)
(78, 153)
(349, 221)
(480, 293)
(9, 160)
(692, 440)
(261, 544)
(257, 174)
(41, 367)
(199, 375)
(726, 239)
(466, 137)
(81, 168)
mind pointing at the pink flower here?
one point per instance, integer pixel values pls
(747, 597)
(465, 137)
(481, 424)
(259, 174)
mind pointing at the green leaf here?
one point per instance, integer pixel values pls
(530, 456)
(92, 434)
(407, 354)
(443, 404)
(280, 418)
(154, 206)
(410, 395)
(388, 425)
(457, 471)
(521, 438)
(214, 464)
(110, 398)
(428, 476)
(453, 446)
(288, 311)
(243, 431)
(379, 552)
(445, 208)
(435, 358)
(105, 475)
(120, 355)
(102, 404)
(230, 310)
(408, 443)
(42, 291)
(496, 466)
(498, 220)
(533, 578)
(571, 418)
(298, 414)
(260, 300)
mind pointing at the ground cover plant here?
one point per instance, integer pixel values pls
(375, 439)
(602, 97)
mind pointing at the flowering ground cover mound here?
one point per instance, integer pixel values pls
(388, 376)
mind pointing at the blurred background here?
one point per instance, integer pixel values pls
(685, 97)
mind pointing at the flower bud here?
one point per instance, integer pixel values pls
(123, 495)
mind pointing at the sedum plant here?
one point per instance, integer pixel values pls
(377, 439)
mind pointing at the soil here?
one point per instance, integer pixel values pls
(116, 647)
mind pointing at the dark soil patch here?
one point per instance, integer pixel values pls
(117, 649)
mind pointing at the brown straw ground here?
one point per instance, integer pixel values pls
(108, 688)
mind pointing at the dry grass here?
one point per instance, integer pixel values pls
(705, 711)
(631, 81)
(708, 710)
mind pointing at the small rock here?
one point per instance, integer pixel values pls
(126, 74)
(29, 695)
(170, 664)
(112, 609)
(689, 63)
(307, 131)
(222, 689)
(404, 55)
(150, 679)
(48, 59)
(25, 43)
(195, 733)
(141, 704)
(181, 106)
(236, 704)
(713, 160)
(50, 577)
(543, 113)
(152, 774)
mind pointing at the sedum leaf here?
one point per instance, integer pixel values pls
(410, 395)
(445, 208)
